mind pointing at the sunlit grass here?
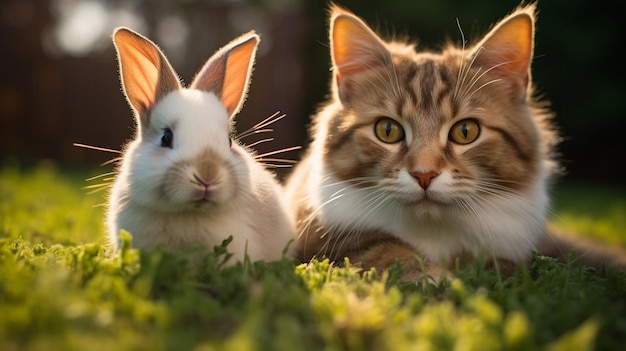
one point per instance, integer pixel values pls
(47, 206)
(596, 211)
(61, 288)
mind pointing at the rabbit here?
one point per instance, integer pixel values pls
(183, 182)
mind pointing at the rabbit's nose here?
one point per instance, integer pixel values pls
(206, 169)
(201, 181)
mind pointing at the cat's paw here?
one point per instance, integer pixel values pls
(432, 274)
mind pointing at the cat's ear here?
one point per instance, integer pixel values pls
(227, 73)
(354, 49)
(507, 50)
(145, 73)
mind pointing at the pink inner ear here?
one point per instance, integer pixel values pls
(146, 73)
(227, 72)
(211, 77)
(141, 82)
(237, 76)
(507, 50)
(355, 47)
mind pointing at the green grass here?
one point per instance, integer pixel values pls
(62, 289)
(597, 211)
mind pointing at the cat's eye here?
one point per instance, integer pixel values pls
(388, 131)
(464, 132)
(167, 138)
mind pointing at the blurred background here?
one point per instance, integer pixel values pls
(59, 82)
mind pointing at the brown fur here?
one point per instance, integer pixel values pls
(426, 93)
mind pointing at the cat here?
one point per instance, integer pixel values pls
(428, 158)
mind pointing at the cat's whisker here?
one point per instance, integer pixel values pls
(458, 79)
(477, 78)
(390, 79)
(478, 214)
(462, 88)
(487, 230)
(349, 186)
(341, 236)
(508, 198)
(500, 190)
(481, 209)
(330, 242)
(396, 80)
(367, 207)
(504, 191)
(482, 86)
(496, 181)
(315, 213)
(339, 194)
(353, 188)
(467, 91)
(351, 182)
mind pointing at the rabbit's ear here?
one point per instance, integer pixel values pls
(227, 72)
(146, 74)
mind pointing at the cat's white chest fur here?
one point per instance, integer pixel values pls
(507, 227)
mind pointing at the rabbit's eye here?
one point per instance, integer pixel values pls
(167, 138)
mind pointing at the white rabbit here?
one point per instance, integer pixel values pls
(183, 182)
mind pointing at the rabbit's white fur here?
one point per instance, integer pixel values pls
(159, 195)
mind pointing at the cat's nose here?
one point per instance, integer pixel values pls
(424, 178)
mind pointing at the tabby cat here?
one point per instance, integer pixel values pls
(427, 158)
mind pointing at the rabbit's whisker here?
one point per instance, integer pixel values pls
(113, 160)
(96, 148)
(260, 142)
(269, 120)
(278, 151)
(250, 132)
(100, 176)
(283, 160)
